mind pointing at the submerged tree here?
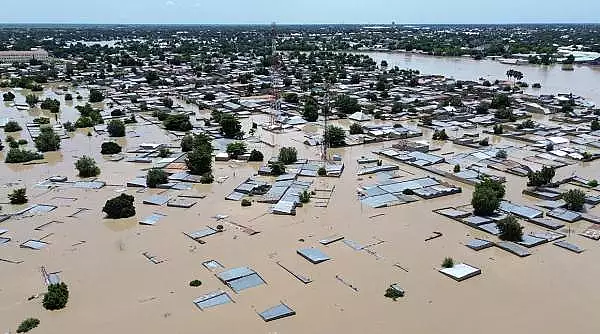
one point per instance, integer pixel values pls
(510, 229)
(119, 207)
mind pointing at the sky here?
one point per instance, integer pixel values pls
(300, 11)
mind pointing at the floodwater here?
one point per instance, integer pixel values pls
(114, 288)
(582, 81)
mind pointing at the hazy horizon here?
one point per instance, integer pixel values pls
(240, 12)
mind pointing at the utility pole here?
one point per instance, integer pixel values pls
(325, 143)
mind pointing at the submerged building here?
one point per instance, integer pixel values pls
(9, 57)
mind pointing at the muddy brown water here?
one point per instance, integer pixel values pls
(113, 288)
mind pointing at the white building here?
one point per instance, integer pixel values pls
(9, 57)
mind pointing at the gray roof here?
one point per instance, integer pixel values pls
(212, 299)
(276, 312)
(313, 255)
(152, 219)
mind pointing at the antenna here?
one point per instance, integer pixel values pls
(325, 143)
(275, 103)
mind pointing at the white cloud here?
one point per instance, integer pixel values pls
(170, 3)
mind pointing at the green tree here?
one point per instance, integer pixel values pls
(177, 122)
(199, 160)
(487, 196)
(116, 128)
(187, 143)
(575, 199)
(16, 155)
(12, 126)
(119, 207)
(347, 104)
(236, 149)
(87, 167)
(541, 178)
(27, 325)
(334, 136)
(510, 229)
(356, 129)
(110, 148)
(51, 104)
(288, 155)
(277, 168)
(256, 155)
(231, 127)
(96, 96)
(47, 140)
(57, 296)
(156, 177)
(8, 97)
(31, 99)
(18, 196)
(595, 125)
(311, 110)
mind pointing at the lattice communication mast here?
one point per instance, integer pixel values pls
(275, 67)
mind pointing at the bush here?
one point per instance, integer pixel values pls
(448, 263)
(595, 125)
(440, 135)
(575, 199)
(277, 168)
(256, 155)
(288, 155)
(498, 129)
(334, 136)
(41, 120)
(393, 293)
(47, 140)
(231, 127)
(22, 142)
(18, 196)
(322, 171)
(156, 177)
(164, 152)
(593, 183)
(110, 148)
(119, 207)
(87, 167)
(456, 168)
(8, 96)
(96, 96)
(356, 129)
(487, 196)
(92, 114)
(16, 155)
(68, 97)
(27, 325)
(501, 154)
(57, 296)
(12, 126)
(236, 149)
(31, 99)
(536, 85)
(246, 202)
(484, 142)
(510, 229)
(51, 104)
(195, 283)
(304, 196)
(116, 128)
(541, 177)
(179, 122)
(69, 127)
(84, 122)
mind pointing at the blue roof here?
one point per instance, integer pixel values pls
(276, 312)
(313, 255)
(213, 299)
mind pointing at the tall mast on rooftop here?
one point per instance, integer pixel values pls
(325, 143)
(275, 103)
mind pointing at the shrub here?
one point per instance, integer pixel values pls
(16, 155)
(47, 140)
(27, 325)
(393, 293)
(541, 177)
(304, 196)
(116, 128)
(18, 196)
(440, 135)
(334, 136)
(575, 199)
(277, 168)
(156, 177)
(448, 263)
(119, 207)
(87, 167)
(501, 154)
(69, 127)
(484, 142)
(322, 171)
(68, 97)
(536, 85)
(51, 104)
(593, 183)
(595, 125)
(457, 168)
(236, 149)
(356, 129)
(41, 120)
(110, 148)
(256, 155)
(195, 283)
(12, 126)
(31, 99)
(13, 144)
(231, 127)
(246, 202)
(179, 122)
(510, 229)
(57, 296)
(84, 122)
(288, 155)
(22, 142)
(93, 114)
(96, 96)
(8, 96)
(498, 129)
